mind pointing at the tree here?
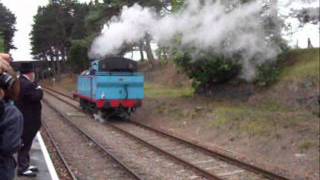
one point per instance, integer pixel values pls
(7, 27)
(78, 57)
(307, 15)
(55, 27)
(209, 68)
(66, 28)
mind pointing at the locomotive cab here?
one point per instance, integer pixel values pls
(111, 86)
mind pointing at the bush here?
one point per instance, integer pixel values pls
(208, 69)
(269, 72)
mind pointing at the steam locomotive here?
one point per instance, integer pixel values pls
(111, 87)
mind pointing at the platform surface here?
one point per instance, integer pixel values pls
(39, 157)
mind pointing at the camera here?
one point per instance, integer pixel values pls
(6, 81)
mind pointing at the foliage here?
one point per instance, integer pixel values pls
(307, 15)
(177, 5)
(7, 29)
(66, 27)
(207, 69)
(268, 73)
(55, 27)
(78, 57)
(306, 65)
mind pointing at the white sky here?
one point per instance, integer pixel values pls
(26, 9)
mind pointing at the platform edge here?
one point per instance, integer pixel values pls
(52, 170)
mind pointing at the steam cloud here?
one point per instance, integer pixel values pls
(206, 27)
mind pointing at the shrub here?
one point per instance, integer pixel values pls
(269, 72)
(207, 69)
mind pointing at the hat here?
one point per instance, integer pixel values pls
(26, 68)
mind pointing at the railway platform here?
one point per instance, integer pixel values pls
(39, 157)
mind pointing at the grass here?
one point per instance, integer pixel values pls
(156, 91)
(307, 65)
(264, 120)
(268, 117)
(246, 119)
(306, 145)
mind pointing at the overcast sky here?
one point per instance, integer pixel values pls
(26, 9)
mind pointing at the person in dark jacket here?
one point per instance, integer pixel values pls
(11, 126)
(11, 120)
(29, 103)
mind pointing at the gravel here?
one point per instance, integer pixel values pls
(85, 160)
(141, 159)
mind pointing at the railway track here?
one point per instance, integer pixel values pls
(206, 162)
(126, 171)
(70, 174)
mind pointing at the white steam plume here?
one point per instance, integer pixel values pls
(202, 25)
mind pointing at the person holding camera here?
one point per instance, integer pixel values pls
(11, 120)
(29, 103)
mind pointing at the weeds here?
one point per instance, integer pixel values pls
(306, 145)
(307, 65)
(156, 91)
(258, 121)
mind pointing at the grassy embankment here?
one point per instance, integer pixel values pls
(257, 116)
(266, 116)
(267, 113)
(275, 122)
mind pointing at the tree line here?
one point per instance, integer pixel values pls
(7, 28)
(63, 30)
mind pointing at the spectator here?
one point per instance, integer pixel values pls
(29, 103)
(11, 120)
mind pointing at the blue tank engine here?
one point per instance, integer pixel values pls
(111, 86)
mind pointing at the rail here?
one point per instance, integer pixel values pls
(196, 145)
(101, 147)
